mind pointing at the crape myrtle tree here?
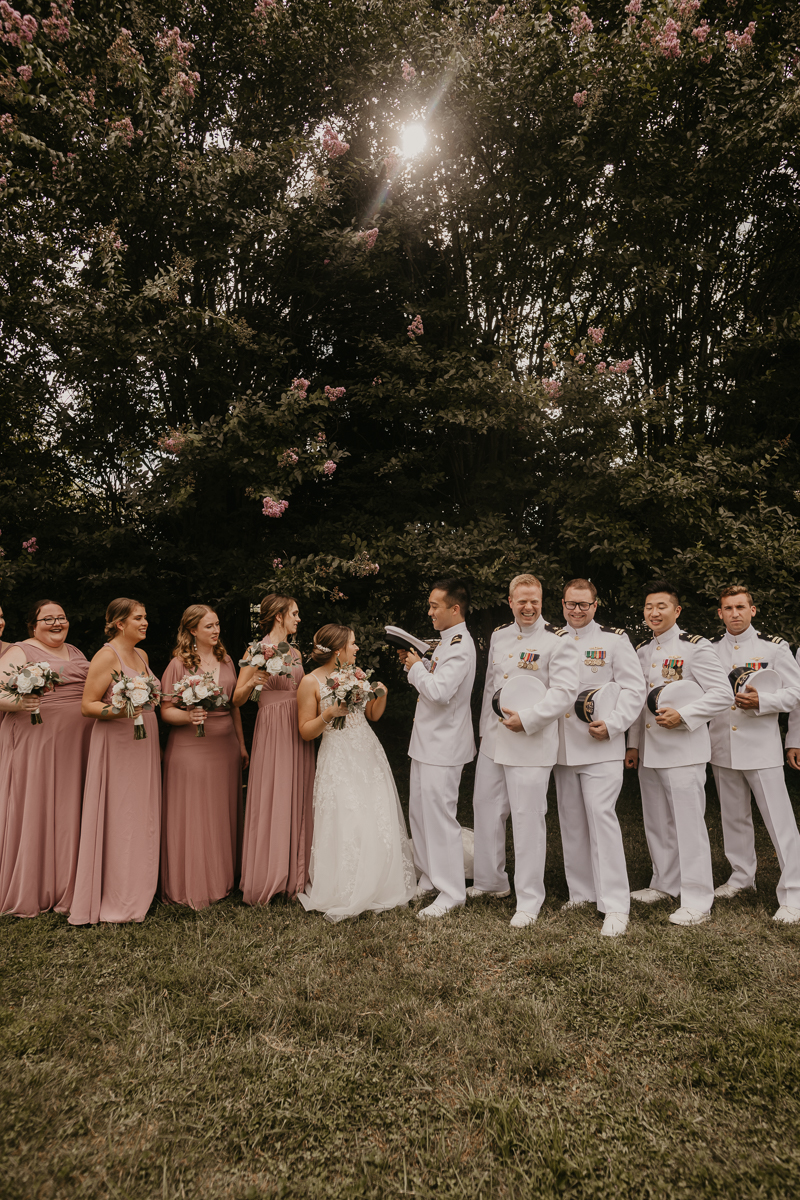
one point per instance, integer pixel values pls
(249, 343)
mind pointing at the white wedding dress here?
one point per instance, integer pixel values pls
(361, 855)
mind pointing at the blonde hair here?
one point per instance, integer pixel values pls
(119, 610)
(185, 645)
(523, 581)
(273, 606)
(327, 640)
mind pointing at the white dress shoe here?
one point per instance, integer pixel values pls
(421, 891)
(787, 915)
(433, 910)
(689, 916)
(520, 919)
(475, 892)
(650, 896)
(614, 924)
(574, 904)
(726, 891)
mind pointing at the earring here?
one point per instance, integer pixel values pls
(194, 643)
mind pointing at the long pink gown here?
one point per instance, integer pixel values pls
(120, 831)
(42, 771)
(278, 821)
(201, 814)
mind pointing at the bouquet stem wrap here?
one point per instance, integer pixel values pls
(129, 693)
(199, 691)
(139, 731)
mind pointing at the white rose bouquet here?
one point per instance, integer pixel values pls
(131, 692)
(275, 660)
(351, 686)
(199, 691)
(31, 679)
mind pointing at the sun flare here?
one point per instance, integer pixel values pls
(414, 139)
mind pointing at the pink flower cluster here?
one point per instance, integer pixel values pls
(498, 14)
(634, 8)
(376, 381)
(172, 443)
(25, 72)
(6, 122)
(14, 28)
(301, 386)
(738, 41)
(415, 329)
(408, 71)
(30, 546)
(277, 563)
(329, 467)
(274, 508)
(289, 457)
(600, 368)
(331, 394)
(552, 388)
(170, 43)
(702, 31)
(361, 565)
(3, 181)
(123, 52)
(686, 8)
(596, 335)
(580, 358)
(321, 437)
(182, 83)
(332, 144)
(87, 98)
(621, 368)
(122, 129)
(263, 8)
(580, 98)
(391, 161)
(368, 236)
(57, 25)
(581, 25)
(667, 40)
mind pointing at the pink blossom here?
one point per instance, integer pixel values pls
(634, 8)
(408, 71)
(334, 682)
(368, 236)
(325, 262)
(30, 546)
(87, 98)
(359, 674)
(274, 508)
(738, 41)
(267, 649)
(277, 563)
(686, 8)
(333, 394)
(623, 367)
(170, 43)
(289, 457)
(3, 181)
(174, 442)
(6, 122)
(301, 386)
(122, 129)
(600, 368)
(263, 8)
(702, 31)
(329, 467)
(415, 329)
(376, 380)
(391, 161)
(548, 345)
(497, 15)
(706, 58)
(580, 98)
(331, 143)
(321, 437)
(580, 358)
(667, 39)
(57, 25)
(14, 28)
(581, 25)
(182, 83)
(25, 72)
(124, 53)
(596, 335)
(552, 388)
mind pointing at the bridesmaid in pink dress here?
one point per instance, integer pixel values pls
(42, 769)
(118, 857)
(278, 814)
(3, 647)
(201, 815)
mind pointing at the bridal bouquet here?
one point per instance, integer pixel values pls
(351, 686)
(131, 692)
(31, 679)
(199, 691)
(275, 660)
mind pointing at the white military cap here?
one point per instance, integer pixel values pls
(597, 703)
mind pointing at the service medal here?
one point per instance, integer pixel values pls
(595, 658)
(671, 668)
(528, 660)
(756, 666)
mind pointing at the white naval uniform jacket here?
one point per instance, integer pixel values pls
(749, 739)
(606, 656)
(557, 667)
(442, 733)
(689, 743)
(793, 736)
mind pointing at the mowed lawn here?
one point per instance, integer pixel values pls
(245, 1052)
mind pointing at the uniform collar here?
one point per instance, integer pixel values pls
(529, 630)
(577, 635)
(742, 637)
(447, 635)
(669, 637)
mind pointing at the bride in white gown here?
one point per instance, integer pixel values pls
(361, 856)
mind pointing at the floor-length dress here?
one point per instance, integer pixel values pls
(278, 818)
(42, 771)
(361, 857)
(120, 830)
(201, 803)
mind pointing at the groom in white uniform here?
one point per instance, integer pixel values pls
(441, 743)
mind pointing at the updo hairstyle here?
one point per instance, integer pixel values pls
(119, 610)
(327, 640)
(33, 613)
(185, 647)
(273, 606)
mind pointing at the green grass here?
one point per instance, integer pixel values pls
(244, 1052)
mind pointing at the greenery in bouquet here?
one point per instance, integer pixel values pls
(274, 659)
(31, 679)
(132, 692)
(351, 686)
(199, 691)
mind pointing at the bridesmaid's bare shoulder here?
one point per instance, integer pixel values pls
(104, 655)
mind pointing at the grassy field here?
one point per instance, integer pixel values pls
(243, 1053)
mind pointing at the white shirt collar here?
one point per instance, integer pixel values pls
(741, 637)
(529, 630)
(578, 635)
(671, 635)
(447, 635)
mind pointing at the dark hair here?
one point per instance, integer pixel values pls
(119, 610)
(272, 607)
(735, 590)
(456, 591)
(583, 585)
(327, 640)
(33, 613)
(661, 585)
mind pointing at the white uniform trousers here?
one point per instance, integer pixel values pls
(435, 831)
(768, 785)
(673, 807)
(594, 857)
(521, 793)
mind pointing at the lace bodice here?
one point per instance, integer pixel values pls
(356, 717)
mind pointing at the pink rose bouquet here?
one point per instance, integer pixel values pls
(31, 679)
(351, 686)
(275, 660)
(199, 691)
(131, 692)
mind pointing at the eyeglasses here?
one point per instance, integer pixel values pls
(52, 621)
(583, 605)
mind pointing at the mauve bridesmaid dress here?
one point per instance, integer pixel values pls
(120, 831)
(42, 771)
(201, 813)
(278, 815)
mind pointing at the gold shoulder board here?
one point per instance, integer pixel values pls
(555, 629)
(779, 641)
(507, 625)
(646, 642)
(454, 641)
